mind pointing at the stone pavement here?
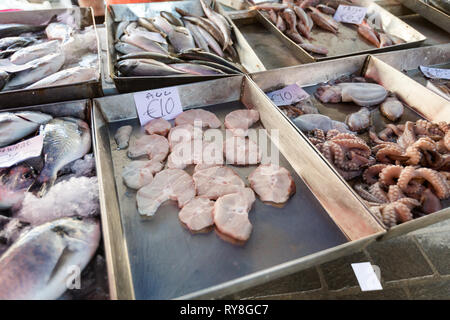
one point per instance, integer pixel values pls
(413, 266)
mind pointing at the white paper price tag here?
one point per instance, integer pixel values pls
(366, 276)
(350, 14)
(288, 95)
(435, 73)
(21, 151)
(159, 103)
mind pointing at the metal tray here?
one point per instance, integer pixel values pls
(432, 14)
(422, 102)
(81, 109)
(117, 13)
(167, 261)
(73, 91)
(347, 42)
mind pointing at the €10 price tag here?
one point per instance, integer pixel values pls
(159, 103)
(288, 95)
(350, 14)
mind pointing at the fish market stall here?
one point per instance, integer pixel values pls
(153, 45)
(48, 56)
(431, 10)
(372, 105)
(49, 205)
(174, 253)
(310, 30)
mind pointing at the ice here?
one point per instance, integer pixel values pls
(77, 196)
(84, 167)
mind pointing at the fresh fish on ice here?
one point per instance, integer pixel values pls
(67, 76)
(33, 52)
(57, 245)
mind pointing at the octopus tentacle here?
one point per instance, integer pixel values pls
(390, 152)
(361, 189)
(377, 191)
(438, 181)
(430, 202)
(372, 172)
(406, 175)
(388, 174)
(394, 193)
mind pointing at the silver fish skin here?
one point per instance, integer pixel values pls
(65, 140)
(14, 182)
(162, 24)
(39, 69)
(154, 36)
(196, 69)
(150, 26)
(126, 48)
(145, 67)
(15, 42)
(10, 230)
(207, 56)
(13, 29)
(4, 76)
(171, 18)
(120, 29)
(14, 127)
(208, 26)
(217, 66)
(164, 58)
(66, 76)
(36, 266)
(181, 39)
(143, 42)
(212, 43)
(198, 38)
(33, 52)
(220, 22)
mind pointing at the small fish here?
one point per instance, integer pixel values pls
(219, 21)
(57, 245)
(181, 39)
(171, 18)
(33, 52)
(120, 29)
(216, 66)
(4, 76)
(14, 127)
(15, 29)
(295, 36)
(301, 14)
(303, 30)
(290, 18)
(145, 67)
(161, 23)
(369, 34)
(65, 140)
(127, 48)
(269, 6)
(323, 21)
(273, 16)
(314, 48)
(207, 56)
(326, 9)
(211, 42)
(150, 26)
(196, 69)
(65, 77)
(207, 26)
(38, 69)
(14, 182)
(200, 41)
(141, 41)
(15, 42)
(164, 58)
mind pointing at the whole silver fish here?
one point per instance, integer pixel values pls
(150, 26)
(220, 22)
(217, 66)
(38, 69)
(15, 42)
(14, 127)
(143, 42)
(145, 67)
(181, 39)
(37, 265)
(34, 52)
(162, 24)
(120, 29)
(208, 26)
(207, 56)
(212, 43)
(67, 76)
(153, 36)
(199, 39)
(65, 140)
(196, 69)
(127, 48)
(171, 18)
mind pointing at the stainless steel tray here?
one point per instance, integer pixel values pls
(73, 91)
(167, 261)
(432, 14)
(117, 13)
(422, 103)
(347, 42)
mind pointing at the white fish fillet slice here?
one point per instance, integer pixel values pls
(217, 181)
(197, 214)
(140, 173)
(239, 121)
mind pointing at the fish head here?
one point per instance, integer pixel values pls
(78, 232)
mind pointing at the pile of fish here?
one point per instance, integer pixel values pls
(55, 53)
(214, 196)
(48, 206)
(297, 18)
(168, 45)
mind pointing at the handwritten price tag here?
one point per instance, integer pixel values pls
(435, 73)
(350, 14)
(159, 103)
(288, 95)
(21, 151)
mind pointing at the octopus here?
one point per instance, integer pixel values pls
(361, 93)
(392, 108)
(347, 152)
(358, 121)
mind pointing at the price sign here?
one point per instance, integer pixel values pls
(435, 73)
(350, 14)
(21, 151)
(288, 95)
(159, 103)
